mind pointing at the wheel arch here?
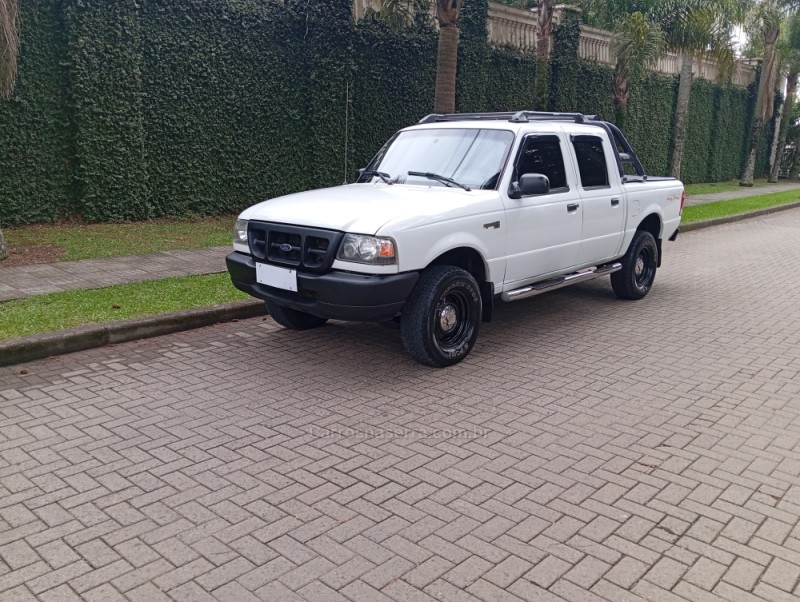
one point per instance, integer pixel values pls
(653, 224)
(472, 261)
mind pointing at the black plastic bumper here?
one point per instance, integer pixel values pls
(336, 295)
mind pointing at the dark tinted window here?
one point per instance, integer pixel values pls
(542, 154)
(591, 161)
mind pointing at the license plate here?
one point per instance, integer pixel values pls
(272, 275)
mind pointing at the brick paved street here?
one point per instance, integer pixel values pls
(589, 449)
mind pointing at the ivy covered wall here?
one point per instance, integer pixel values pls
(138, 109)
(719, 115)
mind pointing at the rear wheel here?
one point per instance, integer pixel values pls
(439, 324)
(638, 272)
(293, 319)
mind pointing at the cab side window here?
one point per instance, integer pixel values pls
(591, 161)
(542, 155)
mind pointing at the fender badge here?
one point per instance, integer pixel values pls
(494, 225)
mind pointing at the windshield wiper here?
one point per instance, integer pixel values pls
(387, 178)
(449, 182)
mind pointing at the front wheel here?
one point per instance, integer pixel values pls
(439, 324)
(635, 279)
(293, 319)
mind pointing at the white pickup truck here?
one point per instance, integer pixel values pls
(453, 214)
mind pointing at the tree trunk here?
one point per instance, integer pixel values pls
(774, 154)
(763, 110)
(544, 29)
(786, 117)
(447, 12)
(622, 93)
(4, 252)
(446, 63)
(681, 114)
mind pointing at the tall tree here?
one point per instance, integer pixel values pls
(637, 44)
(9, 52)
(544, 31)
(766, 19)
(693, 28)
(789, 50)
(447, 12)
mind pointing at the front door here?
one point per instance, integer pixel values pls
(543, 231)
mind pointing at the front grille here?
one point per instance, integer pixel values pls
(305, 249)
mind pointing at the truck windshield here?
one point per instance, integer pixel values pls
(471, 157)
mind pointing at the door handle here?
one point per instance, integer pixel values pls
(572, 207)
(614, 202)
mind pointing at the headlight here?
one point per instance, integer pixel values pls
(240, 232)
(367, 249)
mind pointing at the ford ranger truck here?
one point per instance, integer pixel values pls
(454, 214)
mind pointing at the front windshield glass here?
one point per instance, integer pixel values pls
(471, 157)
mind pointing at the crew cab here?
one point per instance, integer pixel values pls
(454, 214)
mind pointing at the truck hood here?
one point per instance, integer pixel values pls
(365, 208)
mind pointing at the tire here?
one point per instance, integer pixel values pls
(293, 319)
(439, 324)
(638, 272)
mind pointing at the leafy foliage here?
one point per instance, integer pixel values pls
(130, 110)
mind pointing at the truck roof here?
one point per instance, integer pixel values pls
(574, 123)
(514, 121)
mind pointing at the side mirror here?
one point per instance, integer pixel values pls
(530, 184)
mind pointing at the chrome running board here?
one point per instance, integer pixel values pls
(550, 285)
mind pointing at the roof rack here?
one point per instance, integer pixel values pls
(514, 117)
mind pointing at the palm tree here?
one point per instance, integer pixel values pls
(767, 17)
(544, 30)
(693, 28)
(638, 43)
(9, 51)
(447, 12)
(789, 51)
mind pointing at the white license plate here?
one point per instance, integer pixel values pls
(272, 275)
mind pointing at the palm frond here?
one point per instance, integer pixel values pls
(638, 44)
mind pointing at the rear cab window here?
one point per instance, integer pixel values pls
(592, 164)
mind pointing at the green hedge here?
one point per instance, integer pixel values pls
(36, 156)
(717, 136)
(142, 108)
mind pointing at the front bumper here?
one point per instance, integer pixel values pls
(335, 295)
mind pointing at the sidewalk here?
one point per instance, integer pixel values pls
(743, 191)
(23, 281)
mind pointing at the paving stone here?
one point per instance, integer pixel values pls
(609, 465)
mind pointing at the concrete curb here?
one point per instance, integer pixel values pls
(717, 221)
(25, 349)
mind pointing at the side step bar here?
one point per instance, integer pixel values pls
(550, 285)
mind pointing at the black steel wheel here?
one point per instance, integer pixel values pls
(639, 265)
(439, 324)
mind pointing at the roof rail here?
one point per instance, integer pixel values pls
(514, 117)
(434, 117)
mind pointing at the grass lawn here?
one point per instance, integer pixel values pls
(696, 213)
(712, 187)
(45, 313)
(54, 242)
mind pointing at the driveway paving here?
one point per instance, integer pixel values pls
(589, 449)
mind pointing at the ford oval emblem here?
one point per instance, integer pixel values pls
(286, 248)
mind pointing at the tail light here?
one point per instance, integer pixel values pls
(683, 202)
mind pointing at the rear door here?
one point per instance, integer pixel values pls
(543, 231)
(602, 198)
